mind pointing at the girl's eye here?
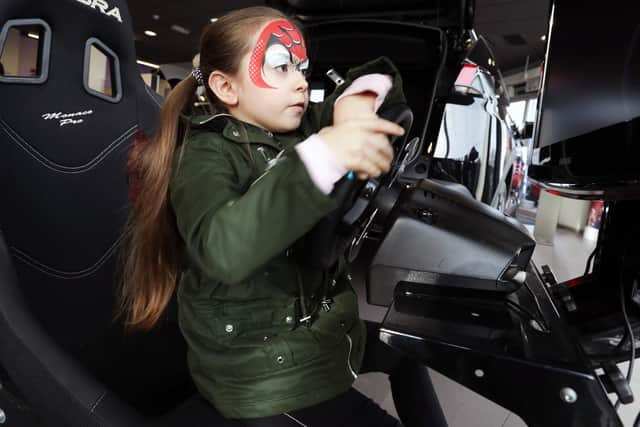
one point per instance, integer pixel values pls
(303, 67)
(282, 68)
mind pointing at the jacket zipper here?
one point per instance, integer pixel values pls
(349, 358)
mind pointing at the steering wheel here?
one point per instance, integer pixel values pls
(328, 240)
(360, 211)
(349, 189)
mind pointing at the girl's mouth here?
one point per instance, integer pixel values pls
(298, 107)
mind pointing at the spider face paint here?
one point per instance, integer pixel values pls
(279, 50)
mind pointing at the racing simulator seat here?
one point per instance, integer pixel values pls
(71, 103)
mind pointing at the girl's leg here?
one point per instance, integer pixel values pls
(350, 409)
(413, 393)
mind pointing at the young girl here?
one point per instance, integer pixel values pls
(224, 197)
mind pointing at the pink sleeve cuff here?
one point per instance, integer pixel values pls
(380, 84)
(321, 164)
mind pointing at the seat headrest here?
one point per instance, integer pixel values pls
(63, 149)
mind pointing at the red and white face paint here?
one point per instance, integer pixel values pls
(279, 50)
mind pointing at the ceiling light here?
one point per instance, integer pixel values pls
(180, 30)
(33, 36)
(150, 33)
(148, 64)
(543, 37)
(214, 19)
(155, 17)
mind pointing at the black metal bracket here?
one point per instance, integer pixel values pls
(559, 290)
(485, 345)
(616, 382)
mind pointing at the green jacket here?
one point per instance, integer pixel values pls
(242, 197)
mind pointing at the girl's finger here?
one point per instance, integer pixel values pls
(370, 167)
(376, 124)
(381, 143)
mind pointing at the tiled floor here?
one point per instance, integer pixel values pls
(463, 407)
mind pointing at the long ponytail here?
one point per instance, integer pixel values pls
(152, 255)
(153, 244)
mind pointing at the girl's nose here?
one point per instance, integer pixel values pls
(301, 84)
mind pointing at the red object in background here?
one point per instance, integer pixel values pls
(595, 214)
(535, 191)
(516, 181)
(466, 75)
(574, 282)
(518, 173)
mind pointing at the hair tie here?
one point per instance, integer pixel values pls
(197, 74)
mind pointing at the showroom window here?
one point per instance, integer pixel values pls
(24, 51)
(102, 71)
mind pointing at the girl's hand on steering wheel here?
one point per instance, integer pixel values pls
(356, 106)
(361, 144)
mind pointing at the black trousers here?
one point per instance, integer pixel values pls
(413, 395)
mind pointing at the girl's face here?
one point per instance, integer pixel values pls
(272, 88)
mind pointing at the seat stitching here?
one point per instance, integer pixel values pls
(22, 143)
(297, 421)
(22, 256)
(97, 402)
(45, 366)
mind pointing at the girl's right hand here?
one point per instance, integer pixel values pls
(361, 145)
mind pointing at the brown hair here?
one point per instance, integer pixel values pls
(152, 251)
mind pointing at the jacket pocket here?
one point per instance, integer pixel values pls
(243, 323)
